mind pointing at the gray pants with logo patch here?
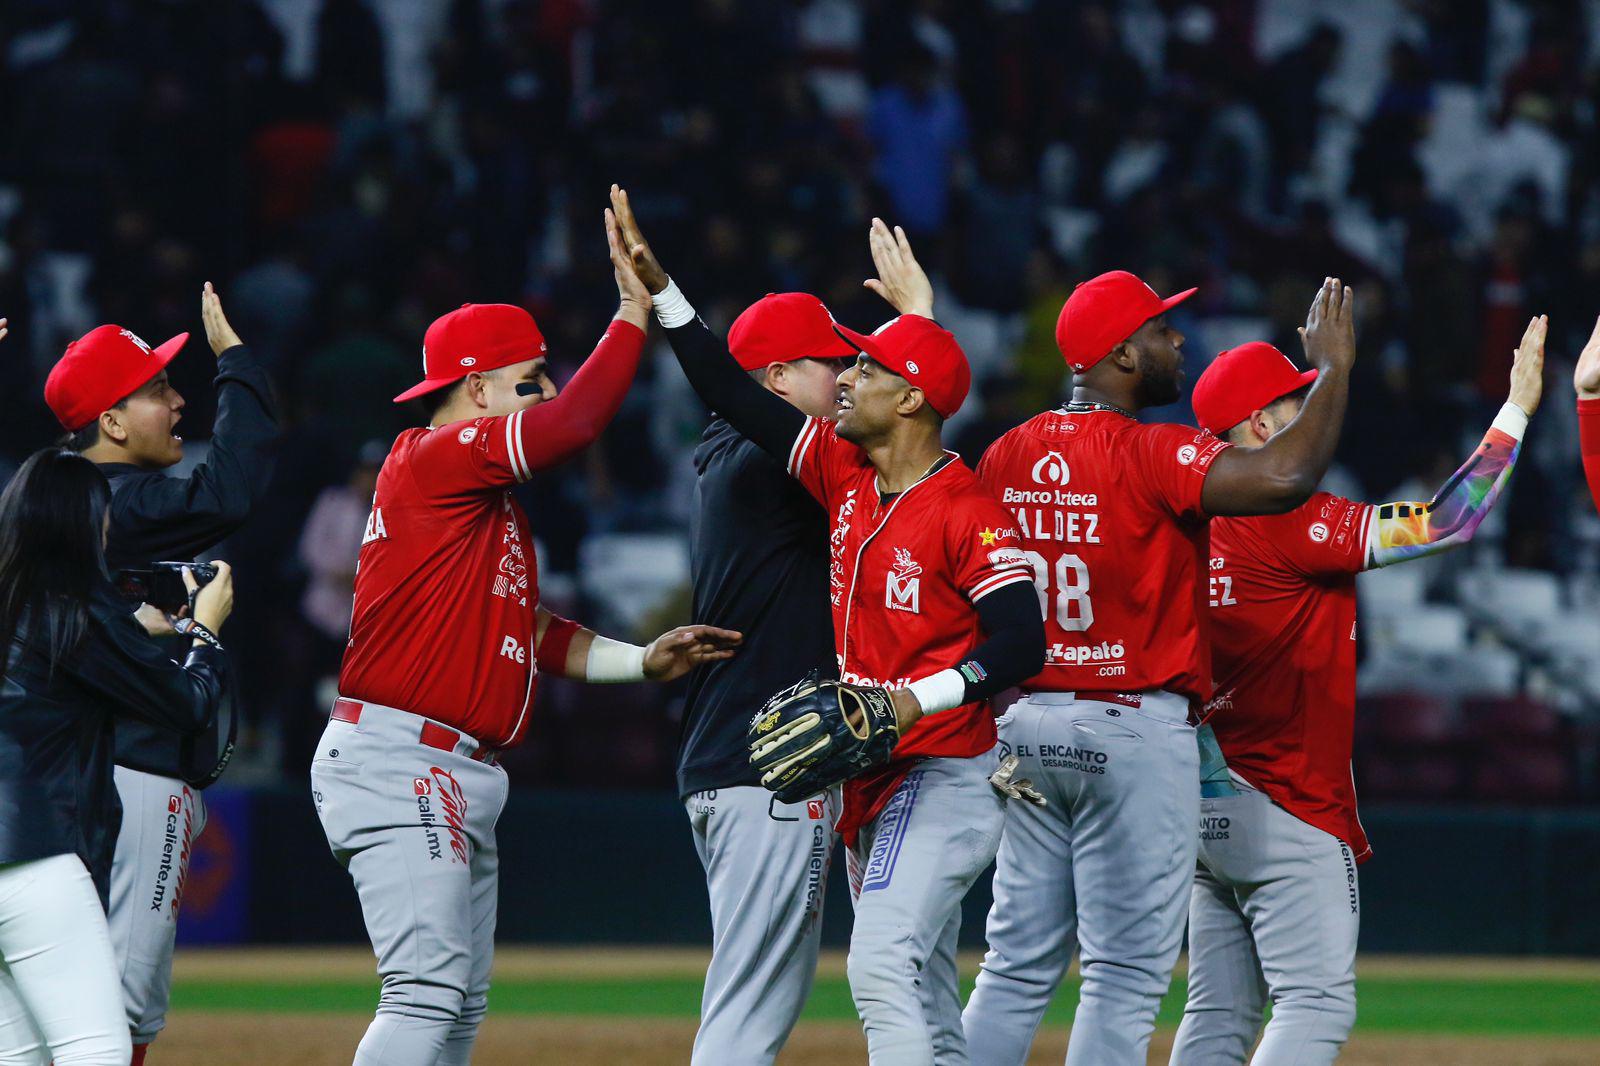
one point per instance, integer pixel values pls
(161, 819)
(1105, 869)
(414, 826)
(1274, 914)
(766, 866)
(909, 871)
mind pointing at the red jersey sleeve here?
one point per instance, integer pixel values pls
(819, 457)
(1325, 535)
(1173, 462)
(1589, 445)
(983, 546)
(468, 457)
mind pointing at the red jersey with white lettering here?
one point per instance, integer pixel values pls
(446, 583)
(1283, 629)
(1110, 517)
(905, 576)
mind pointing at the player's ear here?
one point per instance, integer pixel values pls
(911, 401)
(111, 427)
(1125, 356)
(477, 386)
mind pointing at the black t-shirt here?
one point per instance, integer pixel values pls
(760, 563)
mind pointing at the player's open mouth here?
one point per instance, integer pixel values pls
(843, 402)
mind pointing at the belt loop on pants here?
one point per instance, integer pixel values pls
(431, 733)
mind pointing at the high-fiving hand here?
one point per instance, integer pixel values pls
(1586, 378)
(644, 260)
(901, 280)
(633, 299)
(219, 334)
(1527, 367)
(1329, 335)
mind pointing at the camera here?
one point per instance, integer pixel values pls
(161, 584)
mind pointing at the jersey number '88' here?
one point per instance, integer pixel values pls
(1074, 610)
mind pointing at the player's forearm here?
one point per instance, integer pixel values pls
(557, 429)
(566, 649)
(1402, 531)
(1012, 651)
(1589, 444)
(1283, 473)
(759, 416)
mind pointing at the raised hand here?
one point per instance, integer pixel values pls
(644, 260)
(1329, 335)
(3, 330)
(633, 298)
(1586, 377)
(219, 334)
(677, 651)
(1527, 368)
(901, 280)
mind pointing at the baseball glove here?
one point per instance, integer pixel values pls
(817, 733)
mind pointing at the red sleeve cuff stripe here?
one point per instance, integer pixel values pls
(988, 585)
(802, 441)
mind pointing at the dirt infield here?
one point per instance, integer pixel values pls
(328, 1040)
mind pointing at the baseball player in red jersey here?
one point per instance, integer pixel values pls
(931, 600)
(1112, 514)
(1275, 907)
(446, 643)
(1586, 379)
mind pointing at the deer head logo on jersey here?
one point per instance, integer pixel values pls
(1051, 469)
(903, 591)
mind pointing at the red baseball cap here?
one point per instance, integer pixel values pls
(474, 338)
(1242, 380)
(782, 327)
(100, 369)
(1103, 312)
(924, 353)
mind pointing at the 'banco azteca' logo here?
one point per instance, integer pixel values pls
(1051, 470)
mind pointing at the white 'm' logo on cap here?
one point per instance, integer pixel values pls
(135, 338)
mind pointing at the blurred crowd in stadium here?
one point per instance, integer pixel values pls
(346, 170)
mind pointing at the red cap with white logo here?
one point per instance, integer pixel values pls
(474, 338)
(99, 370)
(1242, 380)
(1103, 312)
(782, 327)
(924, 353)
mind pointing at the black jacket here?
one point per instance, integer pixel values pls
(759, 557)
(155, 517)
(56, 730)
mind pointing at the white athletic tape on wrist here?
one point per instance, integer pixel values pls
(1512, 421)
(940, 692)
(612, 661)
(672, 307)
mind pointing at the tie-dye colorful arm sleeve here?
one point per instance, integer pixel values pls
(1402, 531)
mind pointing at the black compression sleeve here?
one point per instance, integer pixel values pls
(1014, 648)
(760, 416)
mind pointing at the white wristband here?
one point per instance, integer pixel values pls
(612, 661)
(943, 691)
(672, 306)
(1512, 421)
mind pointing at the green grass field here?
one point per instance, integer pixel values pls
(1522, 1006)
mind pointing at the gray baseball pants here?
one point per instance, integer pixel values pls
(414, 826)
(1274, 914)
(1104, 869)
(766, 866)
(909, 871)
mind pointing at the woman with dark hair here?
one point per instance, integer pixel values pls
(77, 661)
